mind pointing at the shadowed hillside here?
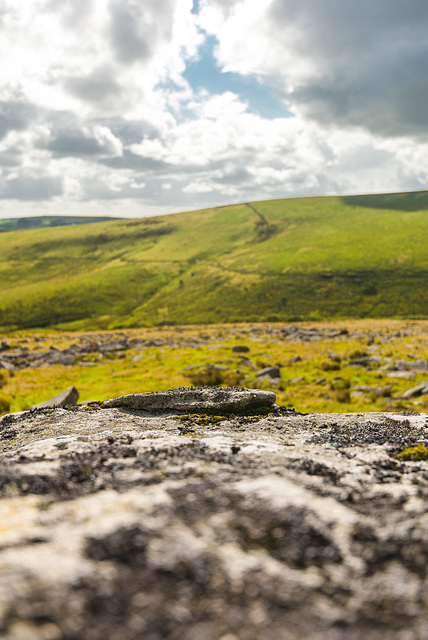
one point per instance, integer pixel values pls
(37, 222)
(290, 259)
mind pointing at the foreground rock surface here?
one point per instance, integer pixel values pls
(115, 523)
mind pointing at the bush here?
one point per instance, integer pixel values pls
(212, 376)
(343, 396)
(358, 353)
(339, 384)
(330, 366)
(4, 404)
(3, 378)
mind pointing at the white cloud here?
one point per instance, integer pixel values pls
(354, 64)
(95, 111)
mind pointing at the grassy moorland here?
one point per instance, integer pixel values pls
(41, 222)
(350, 366)
(280, 260)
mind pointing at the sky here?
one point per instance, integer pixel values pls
(143, 107)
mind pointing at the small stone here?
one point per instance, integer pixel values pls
(270, 372)
(240, 348)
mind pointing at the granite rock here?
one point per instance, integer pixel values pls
(210, 400)
(121, 523)
(66, 397)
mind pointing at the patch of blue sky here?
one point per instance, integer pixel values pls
(195, 7)
(204, 73)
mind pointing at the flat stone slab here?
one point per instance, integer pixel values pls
(208, 400)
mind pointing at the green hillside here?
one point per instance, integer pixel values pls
(37, 222)
(291, 259)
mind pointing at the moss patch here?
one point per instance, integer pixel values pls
(416, 452)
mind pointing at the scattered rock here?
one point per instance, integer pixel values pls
(420, 389)
(334, 356)
(409, 375)
(269, 372)
(379, 392)
(240, 349)
(68, 397)
(5, 364)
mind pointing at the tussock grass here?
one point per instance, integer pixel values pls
(305, 383)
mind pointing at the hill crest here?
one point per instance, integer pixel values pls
(287, 260)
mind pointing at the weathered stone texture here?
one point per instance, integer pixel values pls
(119, 524)
(211, 400)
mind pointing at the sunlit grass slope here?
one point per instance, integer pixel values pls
(291, 259)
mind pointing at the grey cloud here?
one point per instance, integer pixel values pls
(15, 115)
(127, 37)
(95, 87)
(371, 61)
(130, 131)
(236, 176)
(28, 188)
(10, 158)
(138, 163)
(77, 142)
(137, 28)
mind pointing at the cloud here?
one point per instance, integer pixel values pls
(352, 64)
(95, 140)
(29, 188)
(97, 111)
(15, 116)
(132, 31)
(97, 86)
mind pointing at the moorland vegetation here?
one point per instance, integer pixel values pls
(351, 366)
(281, 260)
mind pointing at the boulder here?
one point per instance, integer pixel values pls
(57, 357)
(269, 372)
(67, 397)
(420, 389)
(209, 400)
(408, 375)
(5, 364)
(121, 524)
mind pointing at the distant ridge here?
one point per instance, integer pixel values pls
(38, 222)
(315, 258)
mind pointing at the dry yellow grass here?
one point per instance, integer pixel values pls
(314, 383)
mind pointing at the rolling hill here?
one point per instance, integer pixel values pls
(290, 259)
(37, 222)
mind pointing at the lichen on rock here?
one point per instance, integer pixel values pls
(281, 526)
